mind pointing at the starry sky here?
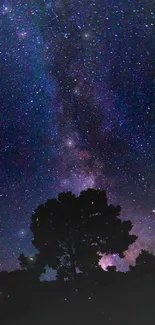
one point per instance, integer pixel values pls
(77, 110)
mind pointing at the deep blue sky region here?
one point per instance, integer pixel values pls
(77, 110)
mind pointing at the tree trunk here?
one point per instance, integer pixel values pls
(72, 259)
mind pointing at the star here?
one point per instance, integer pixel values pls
(6, 9)
(22, 35)
(22, 233)
(70, 143)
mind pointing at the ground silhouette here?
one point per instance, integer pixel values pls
(113, 298)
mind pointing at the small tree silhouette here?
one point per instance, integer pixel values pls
(34, 266)
(70, 231)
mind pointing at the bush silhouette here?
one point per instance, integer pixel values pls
(145, 263)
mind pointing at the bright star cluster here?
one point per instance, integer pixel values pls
(77, 100)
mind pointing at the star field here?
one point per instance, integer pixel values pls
(77, 98)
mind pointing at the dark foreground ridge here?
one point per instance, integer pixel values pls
(116, 299)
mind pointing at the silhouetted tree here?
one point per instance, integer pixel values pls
(70, 231)
(33, 265)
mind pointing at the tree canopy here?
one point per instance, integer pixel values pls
(69, 232)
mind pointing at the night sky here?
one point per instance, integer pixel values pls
(77, 110)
